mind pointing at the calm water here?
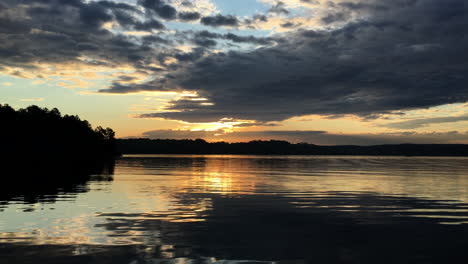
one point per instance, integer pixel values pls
(226, 209)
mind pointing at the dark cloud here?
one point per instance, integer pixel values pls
(258, 124)
(220, 20)
(251, 22)
(187, 3)
(180, 134)
(167, 12)
(247, 39)
(125, 19)
(204, 42)
(363, 6)
(123, 13)
(149, 25)
(160, 8)
(189, 16)
(147, 40)
(404, 55)
(422, 122)
(194, 55)
(206, 39)
(262, 18)
(111, 5)
(9, 26)
(94, 14)
(314, 137)
(59, 31)
(290, 25)
(335, 17)
(56, 31)
(126, 78)
(279, 8)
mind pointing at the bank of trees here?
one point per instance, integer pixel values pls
(279, 147)
(42, 137)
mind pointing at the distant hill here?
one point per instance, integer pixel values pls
(277, 147)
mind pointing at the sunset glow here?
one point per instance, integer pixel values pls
(323, 72)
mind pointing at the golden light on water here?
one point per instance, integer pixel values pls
(152, 193)
(213, 182)
(217, 182)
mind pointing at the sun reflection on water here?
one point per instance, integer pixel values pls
(150, 195)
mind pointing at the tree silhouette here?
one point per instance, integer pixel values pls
(37, 138)
(279, 147)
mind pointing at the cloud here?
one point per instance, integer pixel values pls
(335, 17)
(404, 55)
(220, 20)
(159, 8)
(39, 99)
(149, 25)
(58, 32)
(290, 25)
(45, 37)
(368, 58)
(422, 122)
(279, 8)
(207, 39)
(94, 14)
(203, 7)
(314, 137)
(37, 36)
(180, 134)
(189, 16)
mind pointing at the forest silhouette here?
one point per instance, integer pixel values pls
(279, 147)
(42, 140)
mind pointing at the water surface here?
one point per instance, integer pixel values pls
(205, 209)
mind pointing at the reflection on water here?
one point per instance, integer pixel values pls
(205, 209)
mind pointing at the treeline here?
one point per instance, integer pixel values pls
(37, 138)
(278, 147)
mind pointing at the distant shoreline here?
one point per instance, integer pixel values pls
(270, 156)
(144, 146)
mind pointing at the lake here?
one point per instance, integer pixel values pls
(186, 209)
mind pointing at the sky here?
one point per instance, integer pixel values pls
(325, 72)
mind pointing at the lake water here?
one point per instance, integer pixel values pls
(184, 209)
